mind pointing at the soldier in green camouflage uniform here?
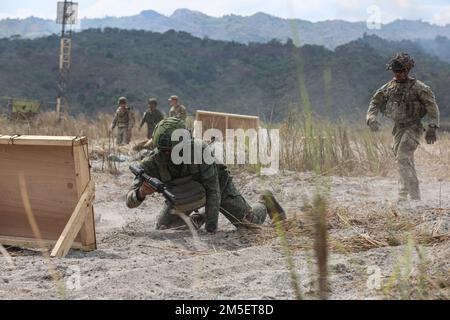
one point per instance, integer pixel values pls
(221, 193)
(177, 110)
(407, 102)
(151, 117)
(124, 121)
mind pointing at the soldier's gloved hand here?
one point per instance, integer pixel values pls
(374, 126)
(430, 135)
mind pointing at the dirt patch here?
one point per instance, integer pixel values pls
(369, 237)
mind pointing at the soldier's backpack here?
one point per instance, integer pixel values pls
(190, 195)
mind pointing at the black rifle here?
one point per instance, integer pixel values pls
(155, 183)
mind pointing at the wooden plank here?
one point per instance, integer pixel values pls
(32, 243)
(224, 121)
(75, 222)
(83, 177)
(212, 113)
(62, 141)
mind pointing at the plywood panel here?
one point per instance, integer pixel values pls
(51, 184)
(242, 123)
(212, 122)
(224, 121)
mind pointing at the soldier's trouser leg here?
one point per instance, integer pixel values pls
(168, 220)
(405, 144)
(128, 135)
(121, 132)
(236, 209)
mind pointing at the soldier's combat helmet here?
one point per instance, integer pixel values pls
(162, 135)
(401, 62)
(122, 100)
(153, 101)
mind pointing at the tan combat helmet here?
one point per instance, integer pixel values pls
(122, 100)
(401, 62)
(152, 101)
(174, 98)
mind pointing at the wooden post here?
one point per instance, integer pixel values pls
(77, 219)
(82, 173)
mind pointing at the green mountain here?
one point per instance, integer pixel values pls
(259, 79)
(259, 27)
(439, 47)
(31, 27)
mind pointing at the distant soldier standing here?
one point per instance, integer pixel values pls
(407, 102)
(151, 117)
(177, 110)
(124, 121)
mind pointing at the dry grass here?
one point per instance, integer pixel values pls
(306, 144)
(333, 148)
(367, 231)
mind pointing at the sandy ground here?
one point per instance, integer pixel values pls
(135, 261)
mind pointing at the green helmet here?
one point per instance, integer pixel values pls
(122, 100)
(401, 62)
(162, 135)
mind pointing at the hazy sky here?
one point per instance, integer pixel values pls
(436, 11)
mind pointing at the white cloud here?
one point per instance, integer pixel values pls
(113, 8)
(442, 17)
(22, 13)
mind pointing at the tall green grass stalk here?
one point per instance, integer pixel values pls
(287, 254)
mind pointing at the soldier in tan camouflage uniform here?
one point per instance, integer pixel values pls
(177, 110)
(407, 102)
(124, 121)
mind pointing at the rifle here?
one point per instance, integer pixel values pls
(155, 183)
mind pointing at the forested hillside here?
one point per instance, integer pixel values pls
(259, 27)
(261, 79)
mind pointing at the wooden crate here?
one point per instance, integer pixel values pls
(223, 121)
(46, 179)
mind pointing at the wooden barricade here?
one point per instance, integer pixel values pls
(46, 193)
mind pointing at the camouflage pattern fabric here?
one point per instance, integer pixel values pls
(124, 121)
(410, 104)
(221, 194)
(178, 111)
(151, 118)
(401, 61)
(122, 136)
(406, 141)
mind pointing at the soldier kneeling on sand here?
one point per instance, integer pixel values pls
(196, 186)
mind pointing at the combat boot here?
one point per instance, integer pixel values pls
(274, 209)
